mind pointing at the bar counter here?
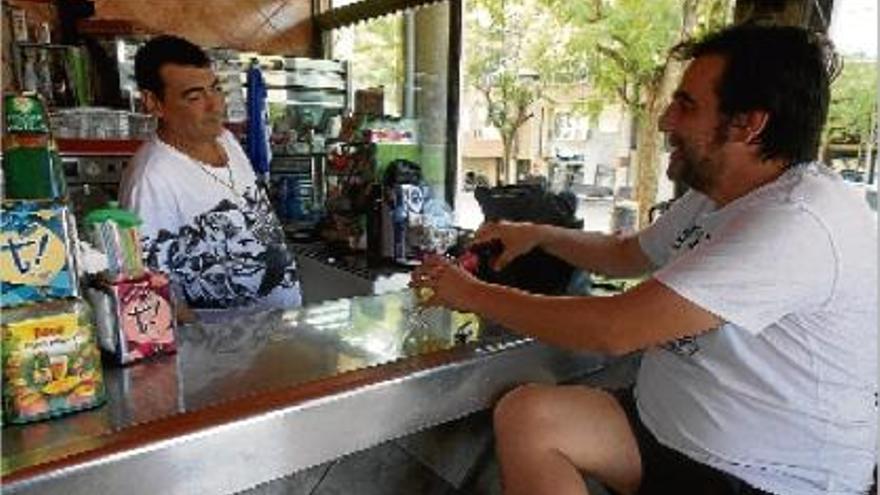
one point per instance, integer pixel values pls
(254, 397)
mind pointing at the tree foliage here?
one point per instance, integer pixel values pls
(853, 103)
(619, 48)
(376, 49)
(507, 47)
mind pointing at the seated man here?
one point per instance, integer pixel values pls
(207, 221)
(758, 318)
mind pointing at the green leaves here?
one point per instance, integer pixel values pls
(616, 49)
(510, 48)
(377, 46)
(853, 102)
(621, 47)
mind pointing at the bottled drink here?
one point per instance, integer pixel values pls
(479, 257)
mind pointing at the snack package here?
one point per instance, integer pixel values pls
(36, 259)
(135, 318)
(51, 364)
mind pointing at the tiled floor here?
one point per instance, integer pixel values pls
(451, 459)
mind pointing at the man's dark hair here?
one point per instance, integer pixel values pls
(783, 70)
(161, 50)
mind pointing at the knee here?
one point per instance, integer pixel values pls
(523, 410)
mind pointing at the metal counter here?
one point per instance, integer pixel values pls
(332, 273)
(248, 400)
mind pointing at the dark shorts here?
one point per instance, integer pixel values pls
(666, 471)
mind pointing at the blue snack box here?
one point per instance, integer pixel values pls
(36, 261)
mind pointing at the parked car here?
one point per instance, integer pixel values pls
(852, 175)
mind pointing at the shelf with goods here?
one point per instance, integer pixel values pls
(50, 333)
(57, 71)
(50, 361)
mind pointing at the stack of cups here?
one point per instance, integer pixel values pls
(116, 234)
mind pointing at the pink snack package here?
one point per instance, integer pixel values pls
(135, 317)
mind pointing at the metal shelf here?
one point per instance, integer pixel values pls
(46, 46)
(98, 147)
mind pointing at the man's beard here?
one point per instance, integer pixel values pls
(700, 172)
(697, 173)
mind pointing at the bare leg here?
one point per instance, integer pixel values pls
(547, 435)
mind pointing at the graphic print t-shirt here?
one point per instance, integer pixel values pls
(211, 229)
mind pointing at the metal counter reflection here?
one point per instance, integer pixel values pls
(262, 395)
(245, 355)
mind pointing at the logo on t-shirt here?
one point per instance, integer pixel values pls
(689, 238)
(685, 346)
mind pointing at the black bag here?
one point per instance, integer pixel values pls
(536, 271)
(402, 171)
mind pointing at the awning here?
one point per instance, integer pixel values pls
(363, 10)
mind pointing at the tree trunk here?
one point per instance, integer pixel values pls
(648, 138)
(512, 168)
(647, 156)
(503, 176)
(648, 133)
(822, 154)
(868, 142)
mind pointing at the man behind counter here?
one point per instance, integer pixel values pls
(758, 319)
(207, 222)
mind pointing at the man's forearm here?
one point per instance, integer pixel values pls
(570, 322)
(646, 315)
(594, 252)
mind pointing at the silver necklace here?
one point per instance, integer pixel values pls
(203, 166)
(230, 184)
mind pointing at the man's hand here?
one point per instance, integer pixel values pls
(517, 238)
(449, 284)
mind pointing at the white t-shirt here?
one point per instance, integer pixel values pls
(211, 228)
(783, 394)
